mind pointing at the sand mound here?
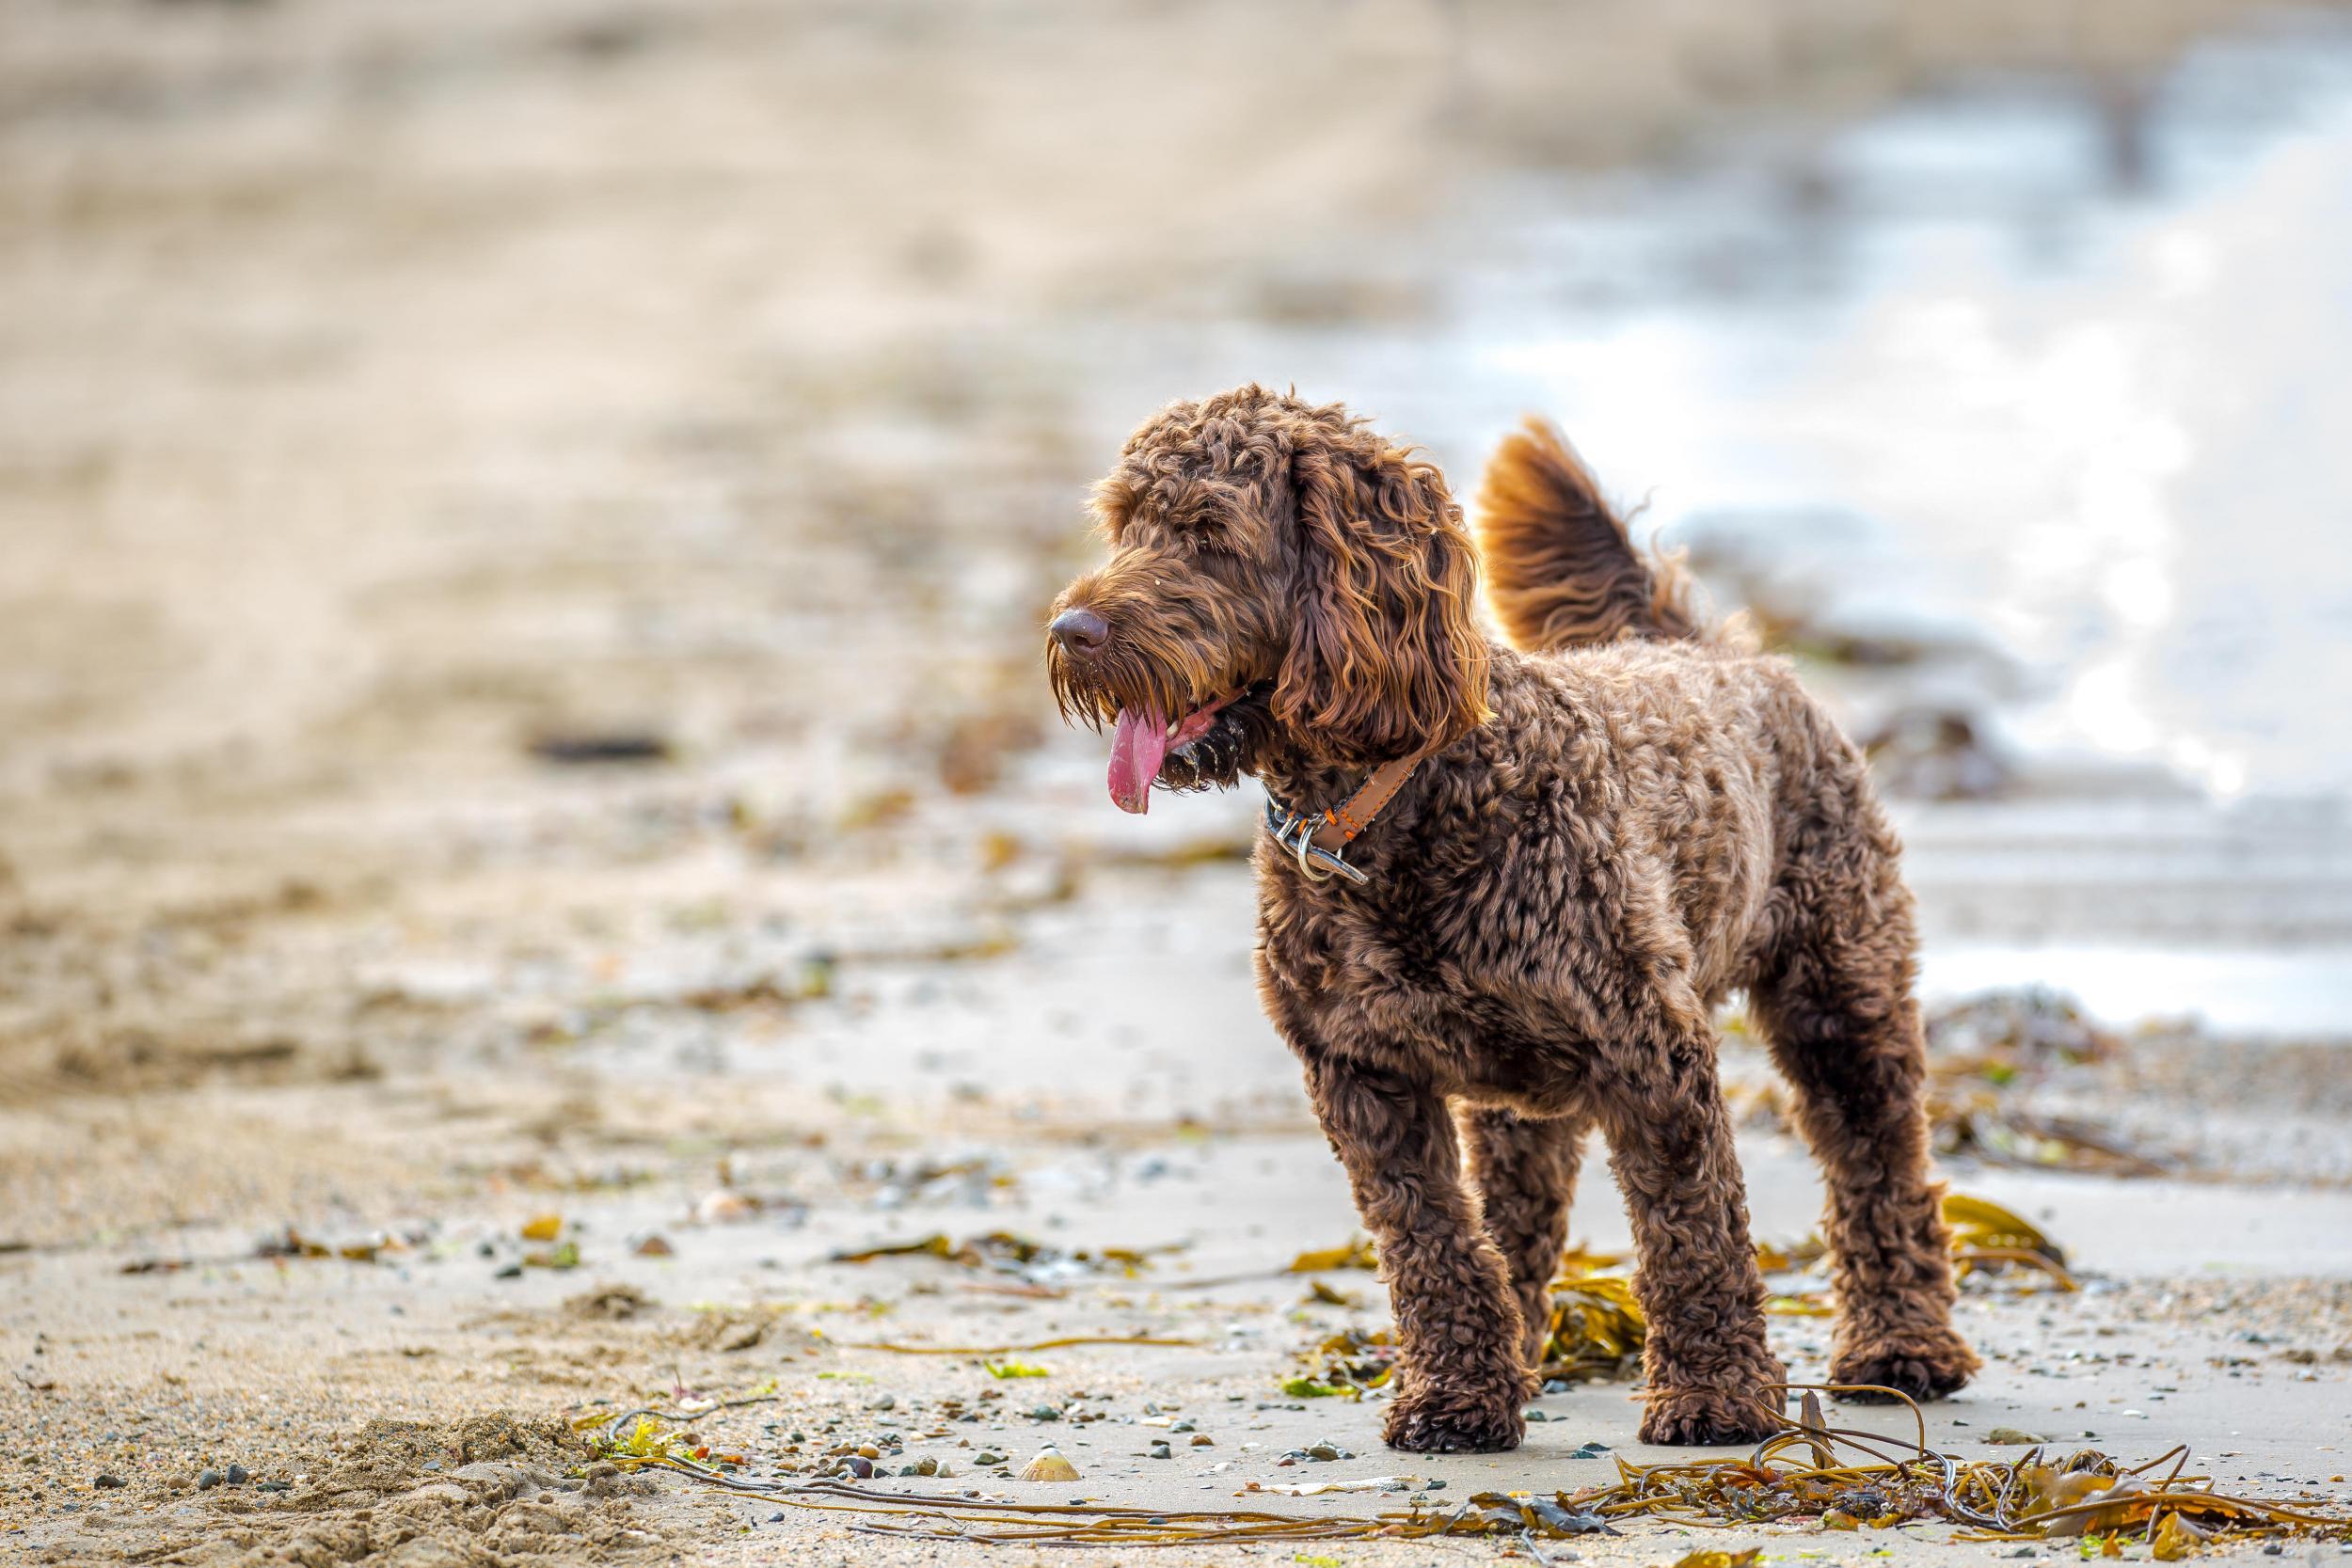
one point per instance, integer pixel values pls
(492, 1490)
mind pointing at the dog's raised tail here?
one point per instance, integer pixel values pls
(1561, 569)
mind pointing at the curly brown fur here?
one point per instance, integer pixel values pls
(1611, 837)
(1525, 1171)
(1561, 567)
(1374, 649)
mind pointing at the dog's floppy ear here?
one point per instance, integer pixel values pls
(1385, 654)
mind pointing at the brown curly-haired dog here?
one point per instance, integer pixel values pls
(1617, 823)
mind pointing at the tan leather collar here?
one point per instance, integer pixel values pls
(1321, 839)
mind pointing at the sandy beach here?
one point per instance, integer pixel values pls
(530, 821)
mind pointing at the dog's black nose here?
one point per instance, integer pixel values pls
(1079, 631)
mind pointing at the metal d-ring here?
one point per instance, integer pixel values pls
(1292, 831)
(1306, 843)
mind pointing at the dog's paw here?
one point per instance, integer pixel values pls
(1708, 1417)
(1926, 1364)
(1437, 1421)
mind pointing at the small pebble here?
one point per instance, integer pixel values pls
(987, 1456)
(207, 1479)
(239, 1474)
(108, 1482)
(1160, 1450)
(1534, 1415)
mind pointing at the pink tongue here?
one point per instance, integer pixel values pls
(1137, 745)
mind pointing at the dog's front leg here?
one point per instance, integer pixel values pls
(1670, 1144)
(1461, 1385)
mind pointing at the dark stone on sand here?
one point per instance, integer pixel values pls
(590, 747)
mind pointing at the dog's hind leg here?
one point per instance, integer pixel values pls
(1671, 1147)
(1462, 1387)
(1841, 1021)
(1526, 1174)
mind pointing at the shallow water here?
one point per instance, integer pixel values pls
(2051, 364)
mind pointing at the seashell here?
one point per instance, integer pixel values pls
(1050, 1466)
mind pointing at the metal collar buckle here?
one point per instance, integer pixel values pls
(1296, 834)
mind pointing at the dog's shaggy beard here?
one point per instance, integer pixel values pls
(1229, 751)
(1123, 681)
(1154, 660)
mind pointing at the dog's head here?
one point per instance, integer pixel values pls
(1277, 575)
